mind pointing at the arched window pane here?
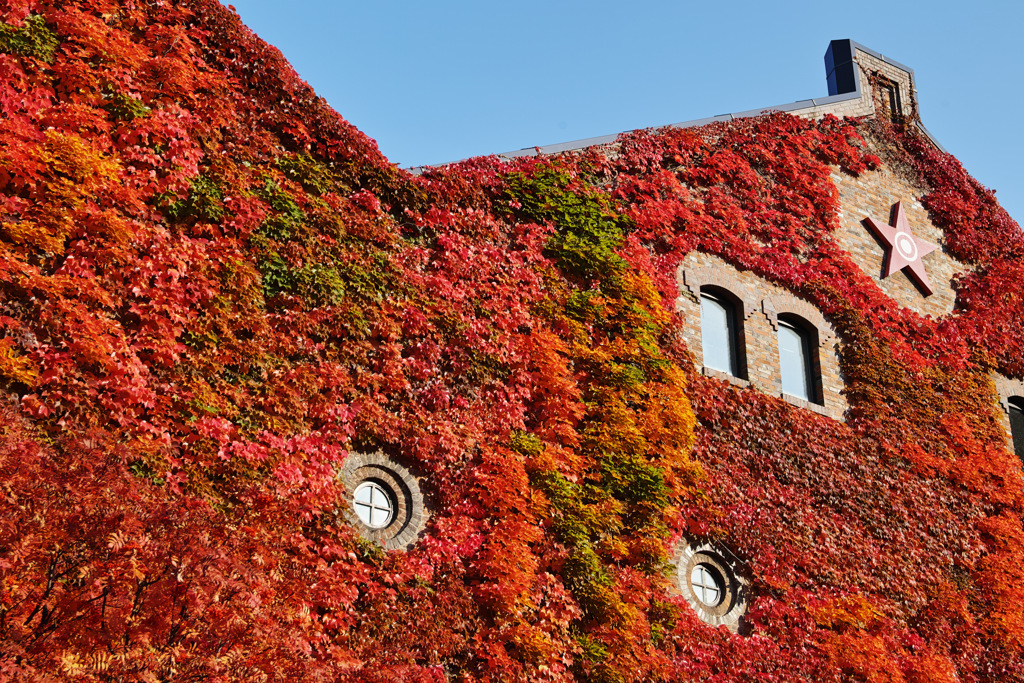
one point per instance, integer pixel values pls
(718, 334)
(794, 360)
(1017, 425)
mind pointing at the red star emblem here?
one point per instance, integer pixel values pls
(905, 250)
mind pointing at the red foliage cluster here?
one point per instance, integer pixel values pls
(212, 288)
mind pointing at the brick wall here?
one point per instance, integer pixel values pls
(760, 305)
(902, 80)
(873, 194)
(872, 100)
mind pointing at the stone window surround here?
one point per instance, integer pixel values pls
(411, 514)
(693, 279)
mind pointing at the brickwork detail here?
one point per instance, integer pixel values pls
(872, 66)
(695, 278)
(410, 515)
(873, 194)
(872, 99)
(773, 306)
(759, 335)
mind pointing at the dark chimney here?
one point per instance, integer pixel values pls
(840, 67)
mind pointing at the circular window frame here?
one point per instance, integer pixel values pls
(389, 496)
(409, 514)
(735, 587)
(717, 586)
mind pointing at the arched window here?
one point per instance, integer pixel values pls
(1016, 404)
(721, 332)
(798, 358)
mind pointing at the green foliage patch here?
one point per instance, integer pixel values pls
(34, 39)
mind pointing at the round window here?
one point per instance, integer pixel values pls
(384, 501)
(707, 584)
(375, 505)
(710, 581)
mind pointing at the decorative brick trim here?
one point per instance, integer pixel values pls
(694, 278)
(410, 515)
(759, 333)
(733, 606)
(777, 304)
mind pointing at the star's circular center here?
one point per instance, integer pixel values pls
(906, 245)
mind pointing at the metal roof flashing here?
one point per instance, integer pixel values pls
(844, 84)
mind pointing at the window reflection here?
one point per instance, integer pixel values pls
(795, 360)
(719, 333)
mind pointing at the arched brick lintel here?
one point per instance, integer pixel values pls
(692, 279)
(773, 306)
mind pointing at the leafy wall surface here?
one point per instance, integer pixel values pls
(212, 289)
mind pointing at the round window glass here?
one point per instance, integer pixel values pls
(707, 584)
(374, 504)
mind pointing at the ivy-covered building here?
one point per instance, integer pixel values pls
(735, 399)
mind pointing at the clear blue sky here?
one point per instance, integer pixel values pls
(439, 81)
